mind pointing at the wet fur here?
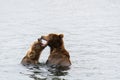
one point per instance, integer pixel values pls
(59, 56)
(33, 54)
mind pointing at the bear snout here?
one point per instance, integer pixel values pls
(44, 38)
(39, 39)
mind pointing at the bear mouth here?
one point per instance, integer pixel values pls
(44, 42)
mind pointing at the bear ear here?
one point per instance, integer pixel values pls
(61, 35)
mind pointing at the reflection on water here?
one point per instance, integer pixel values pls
(42, 72)
(37, 78)
(58, 73)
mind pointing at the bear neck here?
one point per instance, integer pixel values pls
(52, 48)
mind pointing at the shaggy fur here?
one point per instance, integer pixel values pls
(59, 56)
(33, 54)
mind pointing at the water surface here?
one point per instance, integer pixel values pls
(91, 31)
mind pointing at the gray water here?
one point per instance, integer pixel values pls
(91, 31)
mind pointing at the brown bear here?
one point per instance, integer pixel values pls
(59, 56)
(33, 54)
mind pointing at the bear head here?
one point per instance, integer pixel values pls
(54, 40)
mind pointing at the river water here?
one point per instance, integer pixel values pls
(91, 31)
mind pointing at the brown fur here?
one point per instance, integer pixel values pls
(33, 54)
(59, 56)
